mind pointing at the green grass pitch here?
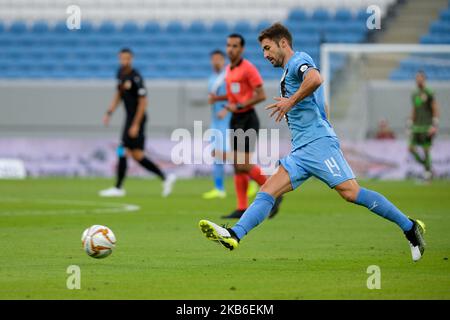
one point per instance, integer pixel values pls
(318, 247)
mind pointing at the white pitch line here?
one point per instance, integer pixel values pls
(99, 207)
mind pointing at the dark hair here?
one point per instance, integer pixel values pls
(217, 51)
(276, 32)
(126, 50)
(237, 35)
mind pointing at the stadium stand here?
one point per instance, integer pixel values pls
(35, 42)
(437, 66)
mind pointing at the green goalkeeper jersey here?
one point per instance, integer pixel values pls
(422, 101)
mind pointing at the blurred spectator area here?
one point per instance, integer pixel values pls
(172, 38)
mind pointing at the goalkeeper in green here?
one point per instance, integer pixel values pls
(424, 123)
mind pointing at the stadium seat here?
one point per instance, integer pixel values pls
(242, 27)
(18, 27)
(437, 66)
(197, 27)
(297, 15)
(64, 53)
(152, 27)
(39, 27)
(343, 15)
(106, 27)
(129, 27)
(220, 27)
(321, 15)
(174, 27)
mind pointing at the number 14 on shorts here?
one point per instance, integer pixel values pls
(333, 167)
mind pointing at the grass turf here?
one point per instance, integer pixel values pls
(318, 247)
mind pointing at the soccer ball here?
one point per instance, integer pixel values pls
(98, 241)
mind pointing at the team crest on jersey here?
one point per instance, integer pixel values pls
(303, 68)
(235, 87)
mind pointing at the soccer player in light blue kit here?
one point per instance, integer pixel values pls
(315, 149)
(220, 122)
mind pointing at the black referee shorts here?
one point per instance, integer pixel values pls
(245, 127)
(137, 143)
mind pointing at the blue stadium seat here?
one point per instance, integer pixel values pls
(197, 27)
(7, 40)
(362, 16)
(242, 27)
(445, 15)
(25, 40)
(40, 27)
(262, 25)
(321, 15)
(129, 27)
(220, 27)
(86, 27)
(60, 27)
(297, 15)
(311, 27)
(174, 27)
(152, 27)
(18, 27)
(42, 51)
(107, 27)
(343, 15)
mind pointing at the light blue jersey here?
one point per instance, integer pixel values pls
(217, 86)
(307, 120)
(315, 147)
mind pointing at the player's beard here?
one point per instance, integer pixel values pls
(279, 58)
(278, 62)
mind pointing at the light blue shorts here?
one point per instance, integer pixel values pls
(321, 158)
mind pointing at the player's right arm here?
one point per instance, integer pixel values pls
(312, 80)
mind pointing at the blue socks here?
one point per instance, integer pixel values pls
(375, 202)
(378, 204)
(218, 174)
(255, 214)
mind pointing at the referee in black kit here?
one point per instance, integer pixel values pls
(132, 92)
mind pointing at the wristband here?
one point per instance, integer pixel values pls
(109, 113)
(239, 106)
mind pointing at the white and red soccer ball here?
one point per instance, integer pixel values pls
(98, 241)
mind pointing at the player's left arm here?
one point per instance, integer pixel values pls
(142, 106)
(311, 81)
(138, 117)
(435, 113)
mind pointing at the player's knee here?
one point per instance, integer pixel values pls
(137, 155)
(348, 194)
(267, 188)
